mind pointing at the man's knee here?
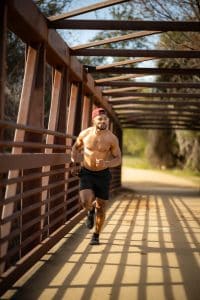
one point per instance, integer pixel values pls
(100, 206)
(87, 198)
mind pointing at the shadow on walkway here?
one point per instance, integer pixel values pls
(149, 250)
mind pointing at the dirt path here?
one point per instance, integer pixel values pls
(150, 179)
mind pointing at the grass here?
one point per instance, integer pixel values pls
(142, 163)
(135, 162)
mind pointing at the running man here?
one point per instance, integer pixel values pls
(100, 152)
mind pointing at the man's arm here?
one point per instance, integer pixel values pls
(116, 153)
(76, 149)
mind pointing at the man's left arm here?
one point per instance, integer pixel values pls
(116, 154)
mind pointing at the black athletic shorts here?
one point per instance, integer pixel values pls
(97, 181)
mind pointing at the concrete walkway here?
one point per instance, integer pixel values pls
(149, 251)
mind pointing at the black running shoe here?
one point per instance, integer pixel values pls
(90, 219)
(95, 239)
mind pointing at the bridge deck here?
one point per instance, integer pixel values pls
(149, 250)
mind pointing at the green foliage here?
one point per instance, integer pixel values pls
(134, 142)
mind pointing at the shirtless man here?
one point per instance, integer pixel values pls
(100, 152)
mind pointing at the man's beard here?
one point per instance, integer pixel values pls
(102, 126)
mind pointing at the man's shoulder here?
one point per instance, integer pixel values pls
(85, 131)
(111, 134)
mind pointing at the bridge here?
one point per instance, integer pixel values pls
(40, 206)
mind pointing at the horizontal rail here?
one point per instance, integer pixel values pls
(31, 160)
(12, 274)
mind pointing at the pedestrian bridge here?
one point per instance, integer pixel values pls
(150, 241)
(149, 249)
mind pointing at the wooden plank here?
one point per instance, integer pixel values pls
(86, 9)
(195, 85)
(116, 39)
(137, 53)
(149, 71)
(19, 161)
(126, 25)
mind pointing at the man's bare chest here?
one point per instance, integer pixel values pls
(97, 143)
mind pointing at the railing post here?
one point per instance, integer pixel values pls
(24, 106)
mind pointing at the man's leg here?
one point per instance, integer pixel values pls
(100, 214)
(87, 199)
(100, 218)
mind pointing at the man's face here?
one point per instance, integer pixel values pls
(101, 122)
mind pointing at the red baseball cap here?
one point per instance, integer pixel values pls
(98, 111)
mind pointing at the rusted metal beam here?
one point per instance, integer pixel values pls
(124, 103)
(86, 9)
(124, 62)
(126, 25)
(23, 114)
(159, 114)
(16, 161)
(86, 112)
(137, 53)
(149, 71)
(159, 127)
(122, 77)
(124, 95)
(195, 85)
(116, 39)
(152, 109)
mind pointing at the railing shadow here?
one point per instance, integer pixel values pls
(149, 250)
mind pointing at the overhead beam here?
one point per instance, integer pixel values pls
(125, 25)
(149, 84)
(163, 114)
(124, 62)
(161, 127)
(86, 9)
(137, 53)
(121, 77)
(154, 102)
(116, 39)
(149, 71)
(124, 95)
(23, 17)
(152, 109)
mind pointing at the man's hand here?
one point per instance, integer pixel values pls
(101, 163)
